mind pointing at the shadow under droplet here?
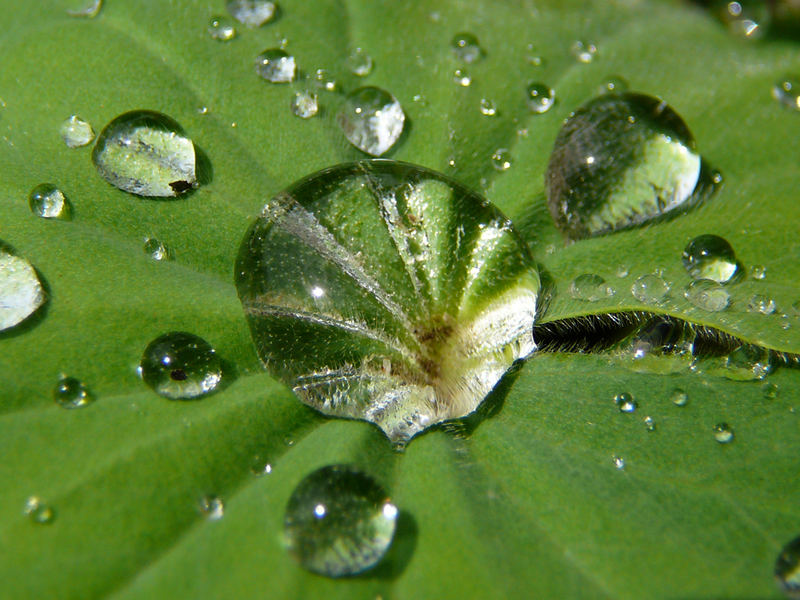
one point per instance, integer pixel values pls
(400, 552)
(204, 168)
(491, 405)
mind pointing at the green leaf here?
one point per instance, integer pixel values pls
(521, 500)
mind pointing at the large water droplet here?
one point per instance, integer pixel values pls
(21, 292)
(710, 257)
(625, 402)
(359, 62)
(180, 366)
(76, 132)
(339, 521)
(787, 92)
(371, 119)
(221, 29)
(723, 433)
(386, 292)
(708, 295)
(212, 507)
(590, 288)
(466, 47)
(49, 202)
(620, 160)
(304, 104)
(252, 13)
(747, 362)
(276, 65)
(71, 393)
(146, 153)
(540, 98)
(650, 289)
(787, 569)
(39, 511)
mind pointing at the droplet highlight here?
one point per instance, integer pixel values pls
(252, 13)
(180, 366)
(221, 28)
(723, 433)
(372, 120)
(466, 47)
(501, 159)
(679, 397)
(276, 66)
(710, 257)
(625, 402)
(71, 393)
(584, 52)
(76, 132)
(539, 97)
(787, 92)
(212, 507)
(304, 104)
(759, 303)
(156, 249)
(49, 202)
(39, 511)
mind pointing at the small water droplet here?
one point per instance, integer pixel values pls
(359, 63)
(252, 13)
(501, 159)
(260, 467)
(221, 28)
(21, 292)
(276, 66)
(660, 345)
(71, 393)
(420, 99)
(650, 289)
(649, 424)
(679, 397)
(325, 81)
(745, 22)
(156, 249)
(39, 511)
(488, 107)
(339, 521)
(787, 92)
(619, 462)
(770, 390)
(622, 271)
(747, 362)
(759, 303)
(203, 110)
(708, 295)
(89, 11)
(590, 288)
(710, 257)
(180, 366)
(758, 272)
(462, 77)
(584, 52)
(466, 47)
(49, 202)
(539, 97)
(76, 132)
(304, 104)
(146, 153)
(625, 402)
(212, 507)
(371, 119)
(787, 569)
(613, 84)
(620, 160)
(723, 433)
(532, 55)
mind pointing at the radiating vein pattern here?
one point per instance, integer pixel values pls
(384, 291)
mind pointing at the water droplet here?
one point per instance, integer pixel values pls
(21, 292)
(679, 397)
(787, 569)
(304, 104)
(260, 467)
(339, 521)
(89, 11)
(659, 345)
(146, 153)
(488, 107)
(614, 84)
(156, 249)
(325, 80)
(708, 295)
(276, 65)
(71, 393)
(212, 507)
(180, 366)
(710, 257)
(619, 462)
(747, 362)
(590, 288)
(759, 303)
(466, 47)
(770, 390)
(39, 511)
(758, 272)
(584, 52)
(384, 260)
(532, 55)
(620, 160)
(252, 13)
(787, 92)
(540, 98)
(625, 402)
(723, 433)
(359, 63)
(221, 29)
(622, 271)
(650, 289)
(745, 22)
(76, 132)
(462, 78)
(649, 424)
(371, 119)
(501, 159)
(49, 202)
